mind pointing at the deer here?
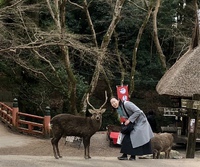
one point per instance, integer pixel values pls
(162, 142)
(63, 125)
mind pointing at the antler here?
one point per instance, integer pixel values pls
(89, 102)
(106, 98)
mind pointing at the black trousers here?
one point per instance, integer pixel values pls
(127, 148)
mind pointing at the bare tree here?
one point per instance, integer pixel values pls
(38, 42)
(104, 44)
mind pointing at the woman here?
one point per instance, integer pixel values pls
(138, 141)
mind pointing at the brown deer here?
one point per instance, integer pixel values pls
(63, 125)
(162, 142)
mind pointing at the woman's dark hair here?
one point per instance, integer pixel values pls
(120, 101)
(113, 97)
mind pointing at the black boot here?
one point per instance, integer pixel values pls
(132, 157)
(123, 157)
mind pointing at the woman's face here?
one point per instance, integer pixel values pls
(114, 102)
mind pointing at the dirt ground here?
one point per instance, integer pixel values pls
(12, 143)
(18, 144)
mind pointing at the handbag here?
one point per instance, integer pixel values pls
(126, 129)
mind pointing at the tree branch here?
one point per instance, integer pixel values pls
(75, 4)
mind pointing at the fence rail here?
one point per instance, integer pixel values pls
(25, 123)
(6, 114)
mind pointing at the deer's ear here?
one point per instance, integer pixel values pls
(103, 110)
(91, 111)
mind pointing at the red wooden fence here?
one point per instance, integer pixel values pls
(23, 122)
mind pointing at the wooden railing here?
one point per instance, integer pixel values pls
(25, 123)
(29, 126)
(6, 114)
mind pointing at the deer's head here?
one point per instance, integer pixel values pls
(97, 113)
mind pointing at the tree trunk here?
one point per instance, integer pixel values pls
(195, 35)
(96, 45)
(134, 58)
(59, 19)
(119, 58)
(103, 49)
(155, 36)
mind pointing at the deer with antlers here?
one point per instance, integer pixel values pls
(63, 125)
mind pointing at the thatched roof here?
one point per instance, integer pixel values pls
(183, 78)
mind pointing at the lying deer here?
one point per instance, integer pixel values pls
(63, 125)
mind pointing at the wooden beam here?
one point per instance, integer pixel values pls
(193, 106)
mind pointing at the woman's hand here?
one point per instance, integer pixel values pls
(127, 122)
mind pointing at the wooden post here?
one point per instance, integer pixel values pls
(192, 128)
(15, 111)
(47, 119)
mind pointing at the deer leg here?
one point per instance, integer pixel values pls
(54, 148)
(168, 154)
(155, 154)
(88, 151)
(158, 155)
(54, 142)
(86, 143)
(58, 151)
